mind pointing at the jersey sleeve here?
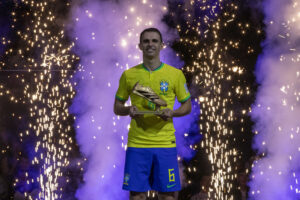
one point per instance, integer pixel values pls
(122, 92)
(181, 90)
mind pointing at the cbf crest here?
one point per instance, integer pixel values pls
(164, 87)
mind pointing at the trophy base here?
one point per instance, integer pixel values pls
(157, 112)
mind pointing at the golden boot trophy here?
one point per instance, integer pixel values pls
(150, 95)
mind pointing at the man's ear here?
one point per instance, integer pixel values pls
(140, 46)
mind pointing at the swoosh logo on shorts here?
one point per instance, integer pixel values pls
(169, 186)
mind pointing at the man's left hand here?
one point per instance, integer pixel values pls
(166, 114)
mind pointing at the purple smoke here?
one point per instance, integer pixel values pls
(277, 108)
(107, 36)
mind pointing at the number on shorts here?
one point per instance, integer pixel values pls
(171, 175)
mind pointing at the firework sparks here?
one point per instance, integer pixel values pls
(219, 75)
(42, 66)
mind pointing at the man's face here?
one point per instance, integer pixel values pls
(151, 44)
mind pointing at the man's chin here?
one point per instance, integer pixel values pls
(150, 56)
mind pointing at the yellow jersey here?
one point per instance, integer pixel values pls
(149, 130)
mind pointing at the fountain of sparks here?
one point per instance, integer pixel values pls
(219, 75)
(276, 111)
(42, 66)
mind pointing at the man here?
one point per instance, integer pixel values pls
(151, 157)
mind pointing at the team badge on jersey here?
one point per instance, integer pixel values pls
(164, 86)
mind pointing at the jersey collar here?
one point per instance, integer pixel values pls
(161, 66)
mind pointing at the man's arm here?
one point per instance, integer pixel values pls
(122, 110)
(184, 109)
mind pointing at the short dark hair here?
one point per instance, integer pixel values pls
(150, 30)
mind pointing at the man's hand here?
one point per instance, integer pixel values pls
(122, 110)
(184, 109)
(166, 114)
(133, 112)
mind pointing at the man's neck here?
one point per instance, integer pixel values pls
(152, 64)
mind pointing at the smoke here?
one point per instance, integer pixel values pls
(107, 35)
(277, 108)
(187, 131)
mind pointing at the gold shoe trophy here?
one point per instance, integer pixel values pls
(150, 95)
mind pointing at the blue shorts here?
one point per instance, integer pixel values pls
(151, 169)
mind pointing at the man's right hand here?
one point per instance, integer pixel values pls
(133, 112)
